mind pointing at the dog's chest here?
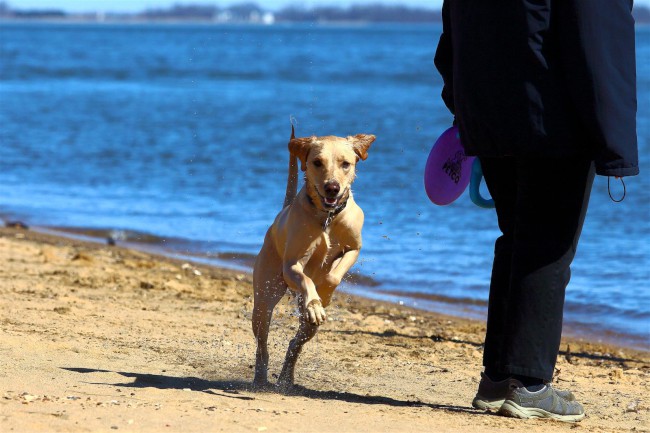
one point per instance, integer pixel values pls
(325, 249)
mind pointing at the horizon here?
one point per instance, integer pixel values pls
(78, 6)
(129, 6)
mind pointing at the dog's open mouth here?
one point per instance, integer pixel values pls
(329, 202)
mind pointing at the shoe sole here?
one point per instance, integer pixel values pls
(483, 404)
(512, 409)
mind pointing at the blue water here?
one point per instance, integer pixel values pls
(181, 132)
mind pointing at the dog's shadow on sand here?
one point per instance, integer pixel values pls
(143, 380)
(236, 388)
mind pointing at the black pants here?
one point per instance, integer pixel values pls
(541, 206)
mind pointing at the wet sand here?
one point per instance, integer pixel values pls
(100, 338)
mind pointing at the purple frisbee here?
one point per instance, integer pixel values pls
(448, 169)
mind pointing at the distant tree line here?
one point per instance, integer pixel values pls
(6, 11)
(243, 12)
(182, 11)
(368, 13)
(238, 12)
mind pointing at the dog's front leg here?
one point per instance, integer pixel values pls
(334, 277)
(299, 282)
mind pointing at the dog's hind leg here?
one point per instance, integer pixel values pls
(269, 290)
(306, 332)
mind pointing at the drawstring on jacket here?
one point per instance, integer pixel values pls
(609, 191)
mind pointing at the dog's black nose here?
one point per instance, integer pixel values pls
(332, 189)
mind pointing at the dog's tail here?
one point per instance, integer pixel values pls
(292, 179)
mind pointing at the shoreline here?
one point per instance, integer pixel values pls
(99, 338)
(58, 235)
(358, 286)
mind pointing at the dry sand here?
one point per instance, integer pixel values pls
(98, 338)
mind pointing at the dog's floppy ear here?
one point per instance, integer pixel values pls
(361, 143)
(299, 147)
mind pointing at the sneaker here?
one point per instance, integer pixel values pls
(545, 403)
(491, 395)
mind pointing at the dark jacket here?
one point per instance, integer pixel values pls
(543, 78)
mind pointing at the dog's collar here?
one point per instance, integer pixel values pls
(331, 213)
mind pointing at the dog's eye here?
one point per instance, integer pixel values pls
(345, 165)
(318, 163)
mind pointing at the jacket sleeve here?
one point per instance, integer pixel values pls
(444, 59)
(597, 45)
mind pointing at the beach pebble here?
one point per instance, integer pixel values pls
(188, 268)
(28, 398)
(616, 374)
(632, 406)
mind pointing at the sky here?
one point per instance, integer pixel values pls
(138, 5)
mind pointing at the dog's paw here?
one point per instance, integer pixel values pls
(284, 386)
(315, 312)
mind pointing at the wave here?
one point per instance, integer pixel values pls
(148, 75)
(436, 297)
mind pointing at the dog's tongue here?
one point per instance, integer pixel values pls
(330, 201)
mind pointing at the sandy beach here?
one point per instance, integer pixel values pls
(99, 338)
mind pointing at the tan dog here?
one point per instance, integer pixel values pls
(312, 244)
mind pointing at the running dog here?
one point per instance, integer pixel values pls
(311, 245)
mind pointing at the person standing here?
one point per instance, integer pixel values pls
(544, 93)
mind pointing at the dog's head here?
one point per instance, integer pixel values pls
(329, 164)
